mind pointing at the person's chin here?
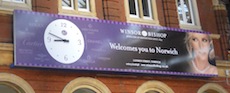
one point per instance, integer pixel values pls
(202, 53)
(202, 56)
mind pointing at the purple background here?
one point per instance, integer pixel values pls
(30, 50)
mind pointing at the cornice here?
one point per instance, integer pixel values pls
(223, 63)
(6, 47)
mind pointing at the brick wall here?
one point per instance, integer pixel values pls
(6, 24)
(223, 29)
(169, 13)
(54, 81)
(49, 6)
(208, 23)
(114, 10)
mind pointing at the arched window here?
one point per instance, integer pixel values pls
(9, 88)
(212, 88)
(154, 87)
(154, 91)
(86, 85)
(10, 83)
(84, 90)
(211, 91)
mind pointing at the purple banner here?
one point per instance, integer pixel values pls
(65, 42)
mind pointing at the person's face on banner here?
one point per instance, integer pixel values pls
(200, 44)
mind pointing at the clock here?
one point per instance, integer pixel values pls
(64, 41)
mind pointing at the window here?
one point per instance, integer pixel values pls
(10, 88)
(211, 91)
(84, 90)
(86, 85)
(146, 9)
(10, 83)
(141, 11)
(155, 91)
(10, 5)
(154, 87)
(83, 5)
(185, 12)
(16, 1)
(188, 14)
(77, 7)
(68, 4)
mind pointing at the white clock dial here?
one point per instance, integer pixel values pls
(64, 41)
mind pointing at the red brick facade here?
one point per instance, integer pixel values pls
(54, 81)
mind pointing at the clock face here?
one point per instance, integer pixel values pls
(64, 41)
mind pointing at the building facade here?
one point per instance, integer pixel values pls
(200, 15)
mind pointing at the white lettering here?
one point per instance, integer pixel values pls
(171, 51)
(117, 46)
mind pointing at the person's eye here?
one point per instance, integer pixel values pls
(205, 40)
(194, 39)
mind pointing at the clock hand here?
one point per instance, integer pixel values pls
(60, 39)
(56, 36)
(64, 40)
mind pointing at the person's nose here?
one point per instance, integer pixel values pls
(201, 45)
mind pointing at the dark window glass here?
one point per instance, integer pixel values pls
(7, 89)
(82, 4)
(152, 91)
(188, 11)
(67, 3)
(211, 91)
(132, 7)
(84, 90)
(146, 8)
(185, 11)
(180, 10)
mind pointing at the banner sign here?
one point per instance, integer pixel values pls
(66, 42)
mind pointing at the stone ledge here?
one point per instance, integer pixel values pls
(6, 47)
(6, 53)
(215, 36)
(223, 63)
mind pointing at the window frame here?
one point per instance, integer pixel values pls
(137, 11)
(184, 13)
(69, 8)
(24, 1)
(87, 7)
(6, 6)
(15, 81)
(195, 17)
(13, 86)
(86, 82)
(155, 86)
(140, 18)
(154, 89)
(91, 12)
(150, 11)
(212, 86)
(87, 87)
